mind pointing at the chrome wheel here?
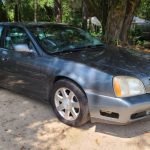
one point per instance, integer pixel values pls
(67, 104)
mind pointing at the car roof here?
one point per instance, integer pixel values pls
(32, 24)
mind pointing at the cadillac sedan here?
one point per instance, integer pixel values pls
(81, 78)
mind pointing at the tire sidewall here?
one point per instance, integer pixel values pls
(83, 115)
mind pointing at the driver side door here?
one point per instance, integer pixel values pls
(22, 68)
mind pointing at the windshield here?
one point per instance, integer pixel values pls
(63, 38)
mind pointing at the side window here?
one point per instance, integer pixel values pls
(1, 30)
(18, 40)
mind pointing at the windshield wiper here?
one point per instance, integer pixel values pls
(76, 49)
(89, 46)
(66, 51)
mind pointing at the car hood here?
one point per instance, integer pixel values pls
(116, 61)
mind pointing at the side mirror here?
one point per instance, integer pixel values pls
(22, 48)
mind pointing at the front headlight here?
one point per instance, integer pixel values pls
(125, 86)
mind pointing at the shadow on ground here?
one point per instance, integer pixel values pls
(31, 124)
(127, 131)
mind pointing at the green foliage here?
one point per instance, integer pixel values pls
(72, 15)
(144, 9)
(139, 42)
(72, 12)
(116, 42)
(66, 12)
(96, 34)
(27, 9)
(135, 31)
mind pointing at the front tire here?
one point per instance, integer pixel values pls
(70, 103)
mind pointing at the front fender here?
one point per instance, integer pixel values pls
(88, 78)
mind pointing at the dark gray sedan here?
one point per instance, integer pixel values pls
(79, 76)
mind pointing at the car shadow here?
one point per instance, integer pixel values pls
(127, 131)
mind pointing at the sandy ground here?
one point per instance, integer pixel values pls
(27, 124)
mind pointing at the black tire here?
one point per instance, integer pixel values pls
(83, 116)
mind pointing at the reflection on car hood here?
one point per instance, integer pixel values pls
(114, 60)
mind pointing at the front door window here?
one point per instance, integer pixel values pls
(18, 40)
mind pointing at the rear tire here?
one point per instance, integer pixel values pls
(70, 103)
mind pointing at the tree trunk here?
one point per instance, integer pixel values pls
(3, 13)
(115, 16)
(35, 10)
(17, 13)
(115, 20)
(131, 7)
(84, 15)
(104, 14)
(58, 10)
(49, 11)
(119, 20)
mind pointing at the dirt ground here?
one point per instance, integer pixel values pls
(28, 124)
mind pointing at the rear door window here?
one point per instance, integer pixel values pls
(1, 30)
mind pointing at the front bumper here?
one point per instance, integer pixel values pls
(119, 111)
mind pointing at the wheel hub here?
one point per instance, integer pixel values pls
(67, 104)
